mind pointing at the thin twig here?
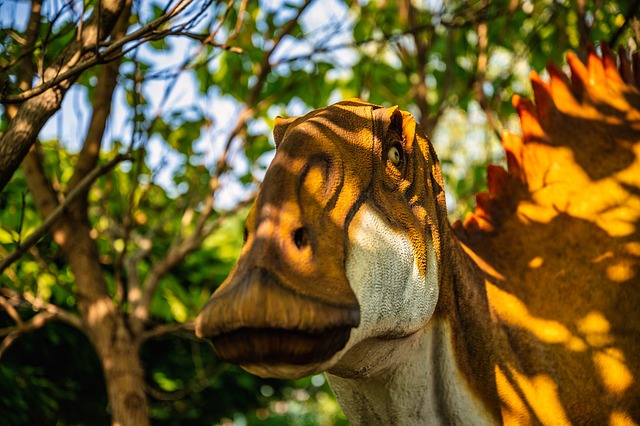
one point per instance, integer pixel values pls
(205, 40)
(46, 312)
(11, 311)
(114, 48)
(228, 9)
(166, 329)
(197, 384)
(36, 322)
(239, 21)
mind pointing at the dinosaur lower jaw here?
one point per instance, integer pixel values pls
(278, 352)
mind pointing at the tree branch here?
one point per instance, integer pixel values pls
(47, 312)
(57, 212)
(38, 321)
(101, 108)
(204, 39)
(11, 311)
(25, 65)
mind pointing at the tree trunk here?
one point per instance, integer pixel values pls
(105, 326)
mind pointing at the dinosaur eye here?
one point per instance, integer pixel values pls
(394, 155)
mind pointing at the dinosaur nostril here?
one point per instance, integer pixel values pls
(301, 238)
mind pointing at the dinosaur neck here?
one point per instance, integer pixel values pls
(423, 387)
(437, 373)
(475, 339)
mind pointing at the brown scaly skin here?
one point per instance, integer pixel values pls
(537, 291)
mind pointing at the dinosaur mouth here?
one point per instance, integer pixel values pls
(249, 346)
(254, 319)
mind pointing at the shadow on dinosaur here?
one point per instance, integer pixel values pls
(526, 312)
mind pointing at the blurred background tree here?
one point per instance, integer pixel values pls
(135, 134)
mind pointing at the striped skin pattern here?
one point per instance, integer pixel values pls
(525, 313)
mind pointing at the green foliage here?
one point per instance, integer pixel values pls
(46, 374)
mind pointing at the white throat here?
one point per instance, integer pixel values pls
(395, 299)
(398, 366)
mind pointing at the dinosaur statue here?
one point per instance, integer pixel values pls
(528, 312)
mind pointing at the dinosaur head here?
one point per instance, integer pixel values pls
(341, 246)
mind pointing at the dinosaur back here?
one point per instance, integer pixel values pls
(558, 236)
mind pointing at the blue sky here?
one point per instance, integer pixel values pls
(69, 125)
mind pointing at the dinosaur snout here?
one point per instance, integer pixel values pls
(288, 300)
(255, 319)
(282, 241)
